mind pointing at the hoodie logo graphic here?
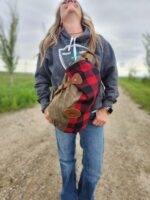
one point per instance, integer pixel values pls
(70, 53)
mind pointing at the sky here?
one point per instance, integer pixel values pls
(121, 22)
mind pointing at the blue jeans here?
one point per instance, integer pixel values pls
(92, 143)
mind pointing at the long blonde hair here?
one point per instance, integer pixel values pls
(52, 35)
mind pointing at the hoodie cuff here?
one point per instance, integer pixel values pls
(44, 103)
(107, 103)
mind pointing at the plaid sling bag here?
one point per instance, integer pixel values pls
(71, 104)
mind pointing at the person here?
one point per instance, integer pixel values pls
(72, 34)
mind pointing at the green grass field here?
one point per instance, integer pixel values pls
(21, 95)
(138, 89)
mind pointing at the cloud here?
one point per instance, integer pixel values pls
(120, 22)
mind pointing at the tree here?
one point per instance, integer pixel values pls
(146, 43)
(132, 70)
(8, 43)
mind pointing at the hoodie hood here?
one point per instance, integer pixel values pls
(83, 37)
(72, 46)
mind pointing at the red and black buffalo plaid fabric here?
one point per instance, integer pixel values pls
(90, 88)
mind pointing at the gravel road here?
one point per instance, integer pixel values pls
(29, 166)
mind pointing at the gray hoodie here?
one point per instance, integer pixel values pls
(67, 50)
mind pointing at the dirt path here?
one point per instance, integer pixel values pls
(29, 167)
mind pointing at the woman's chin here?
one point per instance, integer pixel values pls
(71, 10)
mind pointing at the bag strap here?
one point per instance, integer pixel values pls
(75, 79)
(94, 55)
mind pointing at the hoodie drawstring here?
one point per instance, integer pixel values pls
(74, 47)
(70, 43)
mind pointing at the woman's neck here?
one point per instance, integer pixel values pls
(73, 27)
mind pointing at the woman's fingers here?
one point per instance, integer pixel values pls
(47, 115)
(98, 122)
(49, 119)
(101, 117)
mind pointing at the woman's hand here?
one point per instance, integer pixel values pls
(101, 117)
(47, 115)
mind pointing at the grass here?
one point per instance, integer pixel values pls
(21, 95)
(138, 89)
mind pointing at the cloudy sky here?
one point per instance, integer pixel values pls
(120, 22)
